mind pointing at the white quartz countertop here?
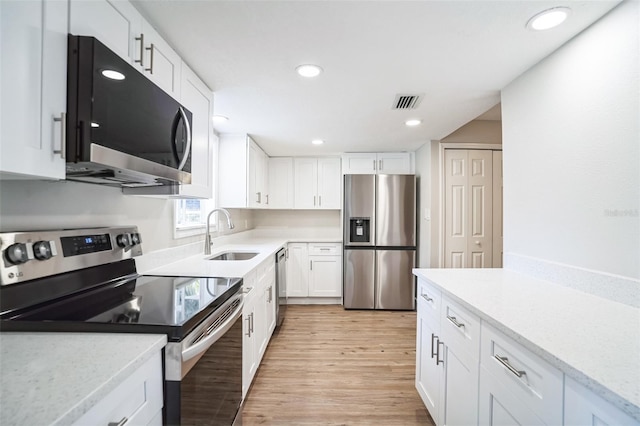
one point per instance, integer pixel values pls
(593, 340)
(199, 266)
(54, 378)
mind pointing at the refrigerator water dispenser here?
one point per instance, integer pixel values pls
(359, 231)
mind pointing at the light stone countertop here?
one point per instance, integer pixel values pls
(54, 378)
(593, 340)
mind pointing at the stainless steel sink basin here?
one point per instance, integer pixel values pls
(234, 255)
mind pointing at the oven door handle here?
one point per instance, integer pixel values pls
(204, 344)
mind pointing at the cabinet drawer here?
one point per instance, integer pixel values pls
(429, 299)
(328, 249)
(460, 328)
(138, 398)
(527, 377)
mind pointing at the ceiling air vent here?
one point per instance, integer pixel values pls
(407, 101)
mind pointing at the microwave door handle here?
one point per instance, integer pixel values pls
(187, 151)
(174, 135)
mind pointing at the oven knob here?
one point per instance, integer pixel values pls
(42, 250)
(135, 239)
(16, 253)
(123, 240)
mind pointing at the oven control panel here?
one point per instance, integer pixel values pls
(38, 254)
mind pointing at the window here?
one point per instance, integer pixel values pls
(191, 217)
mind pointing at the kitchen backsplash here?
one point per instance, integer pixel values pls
(35, 205)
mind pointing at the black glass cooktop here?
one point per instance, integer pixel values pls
(142, 304)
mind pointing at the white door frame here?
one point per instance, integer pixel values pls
(441, 190)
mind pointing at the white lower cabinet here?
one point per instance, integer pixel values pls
(136, 401)
(447, 358)
(259, 318)
(519, 382)
(583, 407)
(314, 270)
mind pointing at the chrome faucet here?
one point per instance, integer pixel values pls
(207, 238)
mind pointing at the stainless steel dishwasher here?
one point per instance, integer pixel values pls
(281, 285)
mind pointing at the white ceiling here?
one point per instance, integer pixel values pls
(459, 54)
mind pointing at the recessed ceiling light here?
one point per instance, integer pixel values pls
(308, 70)
(413, 122)
(112, 74)
(548, 18)
(317, 141)
(220, 119)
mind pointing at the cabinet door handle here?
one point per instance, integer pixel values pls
(120, 423)
(267, 197)
(438, 360)
(505, 361)
(433, 337)
(380, 165)
(141, 60)
(374, 165)
(258, 197)
(248, 320)
(251, 322)
(270, 295)
(455, 322)
(151, 49)
(287, 253)
(63, 135)
(427, 298)
(314, 201)
(319, 200)
(311, 265)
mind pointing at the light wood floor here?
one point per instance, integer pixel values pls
(329, 366)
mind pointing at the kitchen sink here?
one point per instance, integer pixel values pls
(234, 255)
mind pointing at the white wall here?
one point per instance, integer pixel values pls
(327, 220)
(37, 205)
(477, 131)
(571, 151)
(423, 177)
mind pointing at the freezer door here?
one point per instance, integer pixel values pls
(359, 204)
(395, 282)
(396, 211)
(359, 270)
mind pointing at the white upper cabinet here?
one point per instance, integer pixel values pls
(198, 99)
(119, 26)
(116, 24)
(243, 172)
(317, 183)
(34, 84)
(365, 163)
(281, 183)
(161, 63)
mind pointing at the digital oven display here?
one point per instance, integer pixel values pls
(74, 246)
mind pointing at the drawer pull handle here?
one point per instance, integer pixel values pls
(427, 298)
(505, 361)
(455, 322)
(120, 423)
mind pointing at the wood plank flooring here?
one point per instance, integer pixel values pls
(330, 366)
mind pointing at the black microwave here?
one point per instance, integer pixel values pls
(122, 129)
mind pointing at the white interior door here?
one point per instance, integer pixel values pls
(480, 184)
(468, 197)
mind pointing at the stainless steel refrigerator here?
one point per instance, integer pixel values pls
(379, 241)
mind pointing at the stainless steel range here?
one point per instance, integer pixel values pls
(86, 280)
